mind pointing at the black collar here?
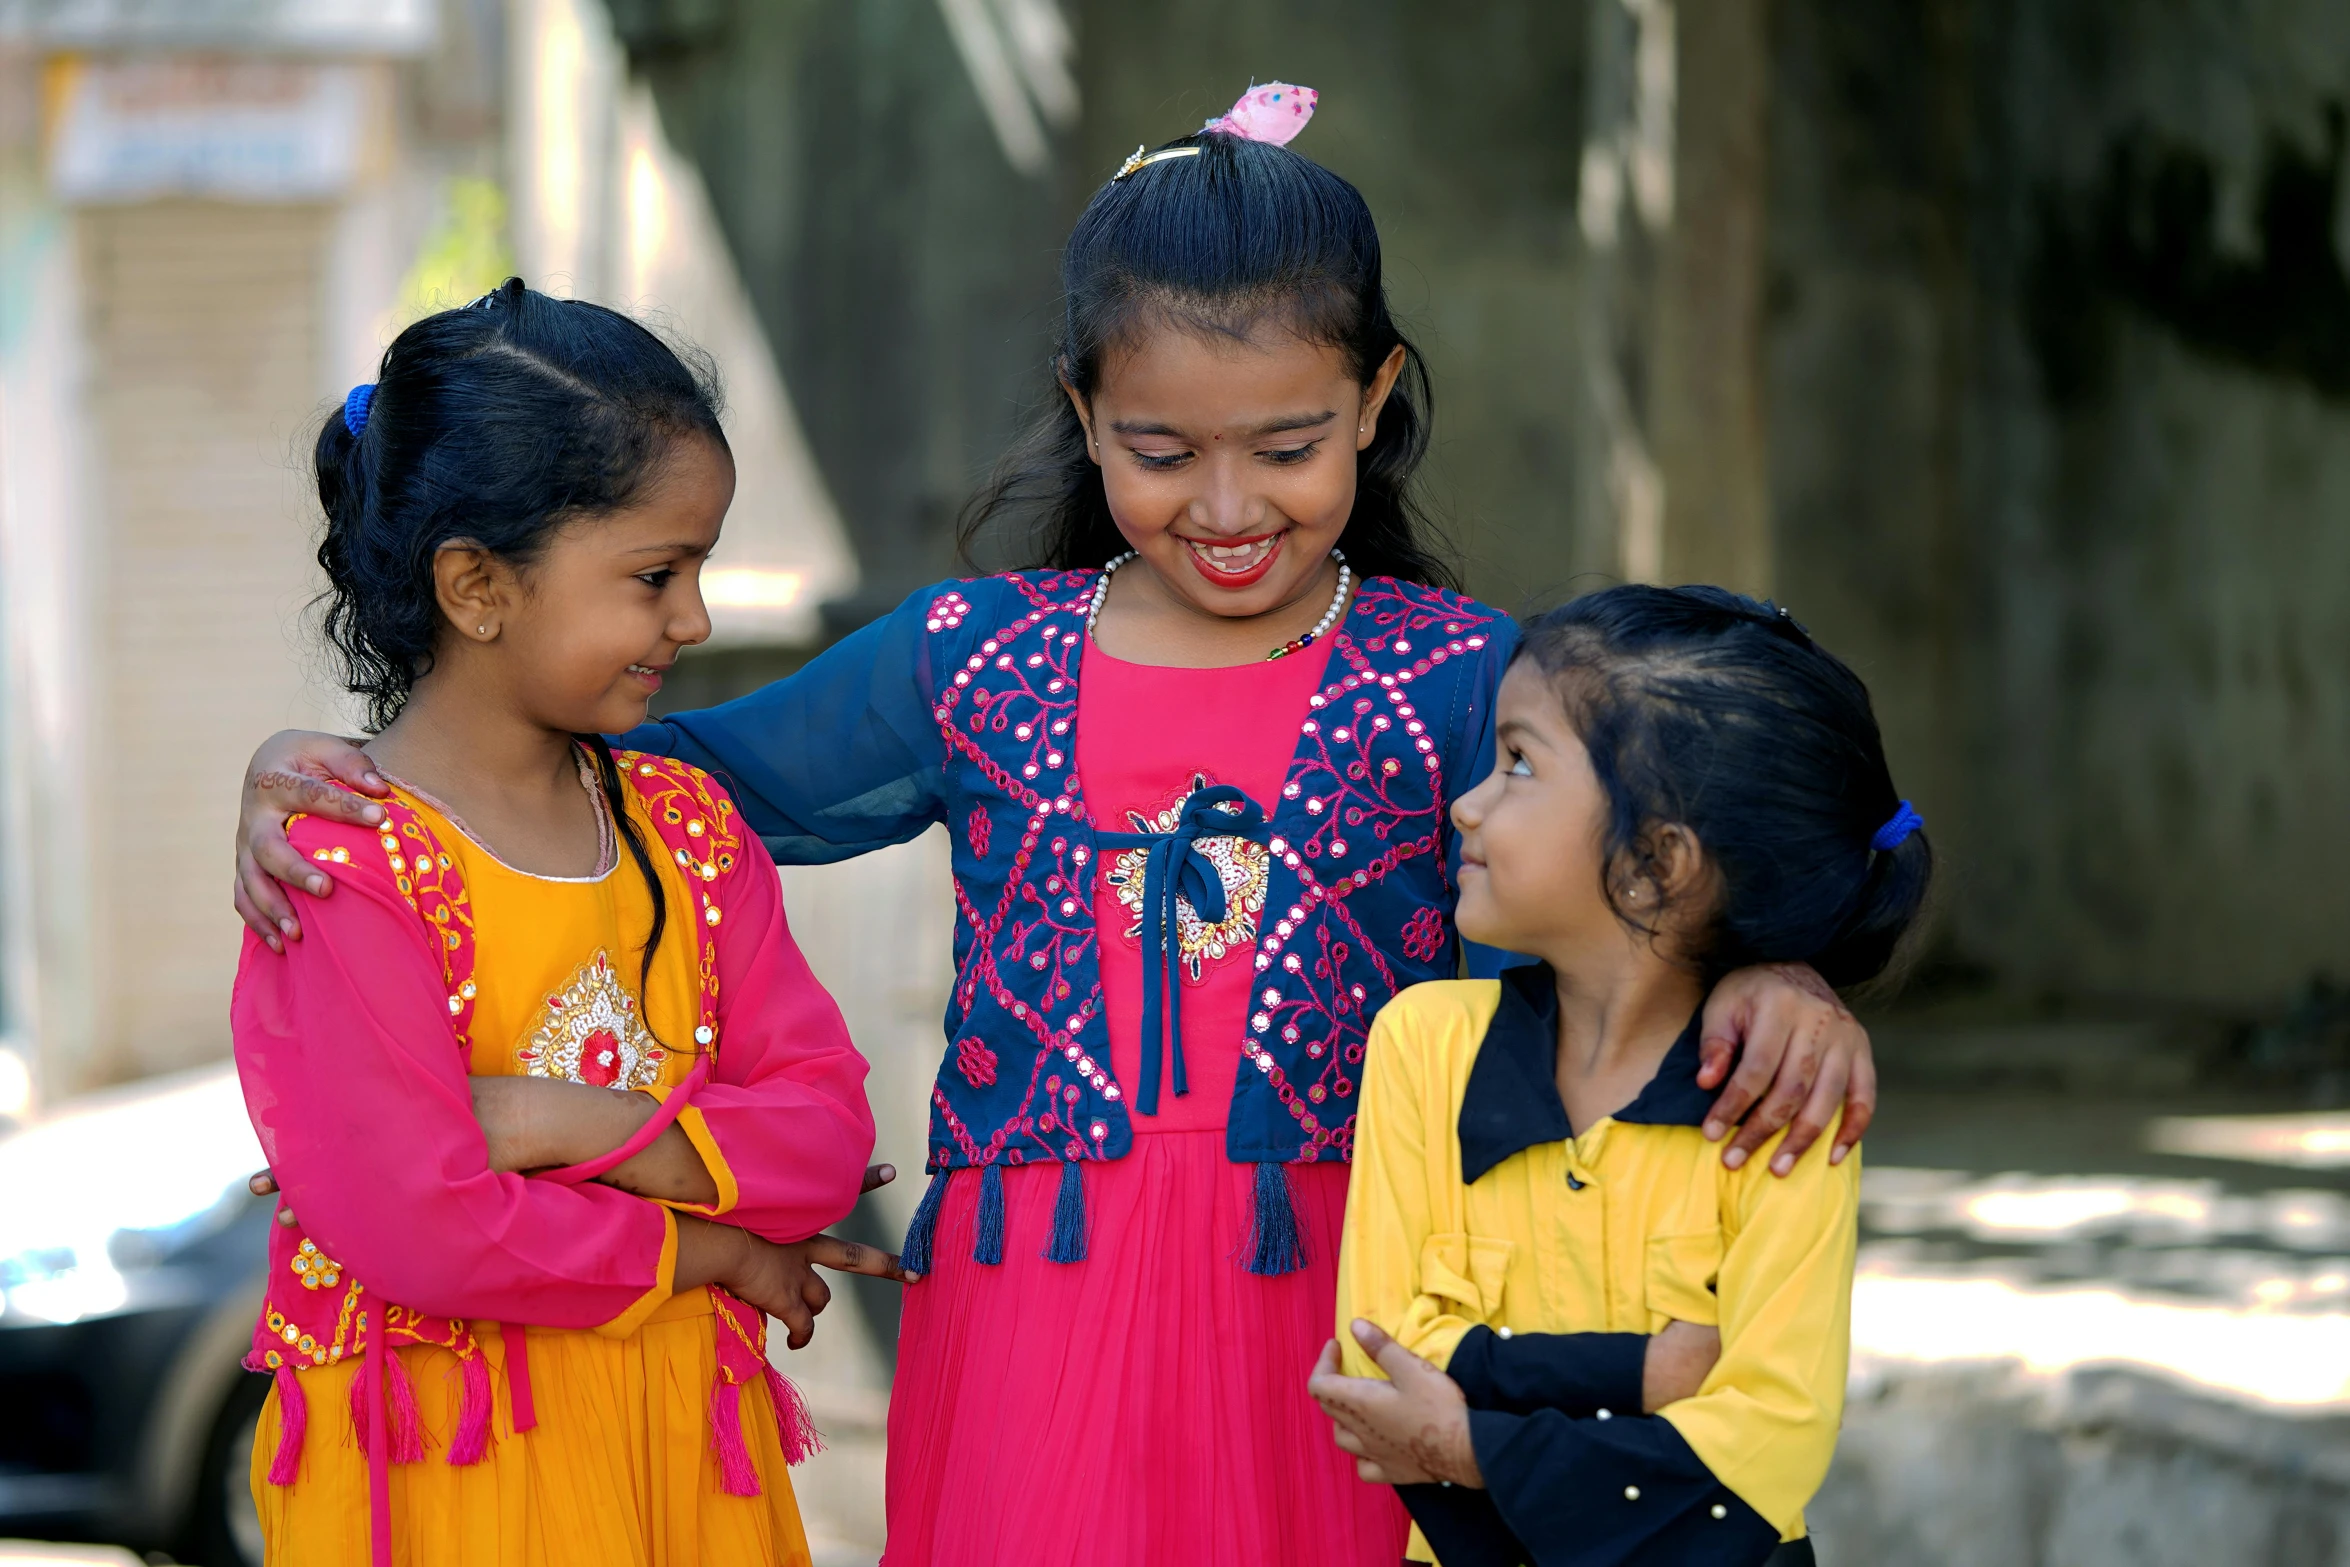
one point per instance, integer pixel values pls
(1512, 1102)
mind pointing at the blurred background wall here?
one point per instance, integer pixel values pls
(2008, 345)
(213, 218)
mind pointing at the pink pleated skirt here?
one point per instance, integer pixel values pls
(1146, 1407)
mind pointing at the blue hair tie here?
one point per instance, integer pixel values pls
(355, 408)
(1896, 832)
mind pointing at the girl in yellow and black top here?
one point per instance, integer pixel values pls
(1686, 783)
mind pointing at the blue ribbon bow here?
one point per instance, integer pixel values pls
(1175, 867)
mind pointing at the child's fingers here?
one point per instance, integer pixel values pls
(849, 1257)
(1369, 1335)
(1819, 1109)
(292, 792)
(1714, 1056)
(1797, 1071)
(263, 897)
(1368, 1471)
(816, 1294)
(1728, 1018)
(259, 923)
(1756, 1067)
(268, 860)
(1400, 1364)
(263, 1183)
(878, 1176)
(1343, 1398)
(351, 766)
(1860, 1107)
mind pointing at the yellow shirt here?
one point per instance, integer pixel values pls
(1473, 1205)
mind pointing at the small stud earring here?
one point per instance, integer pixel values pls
(483, 630)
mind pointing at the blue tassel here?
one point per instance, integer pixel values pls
(1068, 1243)
(924, 1230)
(1277, 1246)
(989, 1247)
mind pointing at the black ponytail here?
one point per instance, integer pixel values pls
(616, 796)
(1705, 708)
(1883, 914)
(1245, 233)
(493, 425)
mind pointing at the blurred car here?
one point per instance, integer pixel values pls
(131, 1270)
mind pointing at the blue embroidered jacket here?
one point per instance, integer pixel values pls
(961, 707)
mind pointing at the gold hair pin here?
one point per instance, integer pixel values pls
(1138, 159)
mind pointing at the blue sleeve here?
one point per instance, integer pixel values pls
(1597, 1493)
(1463, 1526)
(1468, 759)
(1577, 1374)
(837, 760)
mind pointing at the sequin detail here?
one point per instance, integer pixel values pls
(591, 1032)
(1244, 868)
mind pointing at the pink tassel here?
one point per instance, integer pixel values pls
(735, 1474)
(293, 1422)
(794, 1426)
(407, 1425)
(472, 1441)
(359, 1406)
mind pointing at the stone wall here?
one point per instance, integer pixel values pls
(1967, 1466)
(2060, 391)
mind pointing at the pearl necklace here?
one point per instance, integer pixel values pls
(1101, 591)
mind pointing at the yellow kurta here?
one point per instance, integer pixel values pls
(619, 1470)
(1621, 1228)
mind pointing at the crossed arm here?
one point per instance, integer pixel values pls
(365, 1119)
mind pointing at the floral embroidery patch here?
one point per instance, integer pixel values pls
(590, 1032)
(1244, 868)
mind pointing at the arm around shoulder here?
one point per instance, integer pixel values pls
(840, 758)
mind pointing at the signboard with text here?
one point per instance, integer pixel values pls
(230, 128)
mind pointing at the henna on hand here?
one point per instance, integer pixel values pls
(1411, 1428)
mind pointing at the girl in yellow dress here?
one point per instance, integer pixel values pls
(1686, 783)
(546, 958)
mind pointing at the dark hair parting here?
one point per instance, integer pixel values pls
(1242, 236)
(1702, 707)
(493, 425)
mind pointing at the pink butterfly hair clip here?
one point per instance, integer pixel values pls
(1273, 113)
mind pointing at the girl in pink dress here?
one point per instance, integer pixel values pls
(1195, 768)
